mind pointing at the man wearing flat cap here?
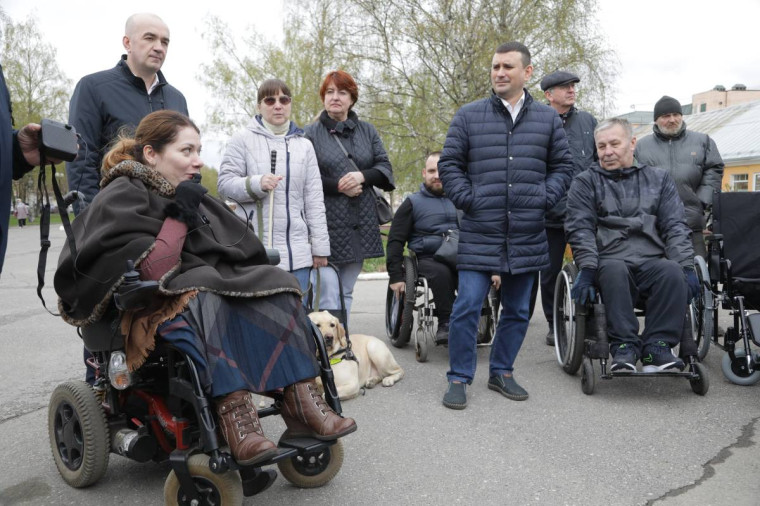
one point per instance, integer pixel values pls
(693, 160)
(559, 90)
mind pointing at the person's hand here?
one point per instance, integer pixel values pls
(398, 288)
(496, 281)
(269, 182)
(583, 288)
(188, 194)
(29, 140)
(692, 281)
(319, 262)
(351, 184)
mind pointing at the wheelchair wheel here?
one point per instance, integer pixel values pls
(225, 488)
(79, 437)
(569, 329)
(313, 470)
(737, 371)
(489, 317)
(588, 380)
(405, 311)
(703, 310)
(701, 385)
(421, 344)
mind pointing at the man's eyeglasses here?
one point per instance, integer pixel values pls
(270, 101)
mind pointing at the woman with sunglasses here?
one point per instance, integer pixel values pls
(271, 159)
(352, 160)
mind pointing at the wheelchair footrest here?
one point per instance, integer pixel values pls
(641, 374)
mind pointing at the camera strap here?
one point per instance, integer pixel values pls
(45, 226)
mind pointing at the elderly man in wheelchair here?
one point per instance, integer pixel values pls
(625, 224)
(200, 322)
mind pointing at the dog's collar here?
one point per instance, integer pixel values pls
(349, 355)
(336, 360)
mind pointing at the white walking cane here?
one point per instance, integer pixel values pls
(272, 254)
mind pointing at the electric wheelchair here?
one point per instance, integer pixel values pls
(160, 412)
(730, 278)
(399, 313)
(580, 336)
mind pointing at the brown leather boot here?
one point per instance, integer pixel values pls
(242, 430)
(308, 415)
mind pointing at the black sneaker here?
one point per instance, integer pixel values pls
(624, 359)
(658, 357)
(442, 334)
(550, 337)
(508, 387)
(456, 396)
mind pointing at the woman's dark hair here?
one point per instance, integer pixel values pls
(270, 87)
(341, 80)
(156, 130)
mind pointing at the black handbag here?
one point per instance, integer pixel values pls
(384, 210)
(447, 251)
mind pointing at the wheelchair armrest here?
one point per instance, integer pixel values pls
(134, 294)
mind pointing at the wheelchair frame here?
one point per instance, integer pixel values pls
(399, 313)
(580, 336)
(165, 415)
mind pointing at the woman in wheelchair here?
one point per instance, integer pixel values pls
(239, 319)
(625, 224)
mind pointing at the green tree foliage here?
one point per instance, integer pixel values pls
(38, 88)
(416, 61)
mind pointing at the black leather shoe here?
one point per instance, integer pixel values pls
(442, 334)
(508, 387)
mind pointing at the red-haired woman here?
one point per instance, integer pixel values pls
(352, 160)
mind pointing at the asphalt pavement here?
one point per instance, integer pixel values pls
(634, 442)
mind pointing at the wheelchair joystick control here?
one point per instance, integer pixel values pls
(134, 294)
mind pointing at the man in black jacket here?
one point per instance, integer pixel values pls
(626, 226)
(559, 90)
(106, 101)
(422, 220)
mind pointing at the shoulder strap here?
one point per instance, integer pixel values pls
(343, 148)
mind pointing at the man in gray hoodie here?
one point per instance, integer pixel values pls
(691, 158)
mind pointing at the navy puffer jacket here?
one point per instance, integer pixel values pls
(504, 177)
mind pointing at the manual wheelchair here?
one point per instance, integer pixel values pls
(580, 337)
(160, 412)
(730, 278)
(399, 313)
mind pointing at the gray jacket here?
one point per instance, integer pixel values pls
(630, 214)
(299, 222)
(693, 161)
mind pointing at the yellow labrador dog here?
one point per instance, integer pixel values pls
(375, 361)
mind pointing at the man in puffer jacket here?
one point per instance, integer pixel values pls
(505, 162)
(626, 226)
(691, 158)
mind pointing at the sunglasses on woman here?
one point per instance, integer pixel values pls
(270, 101)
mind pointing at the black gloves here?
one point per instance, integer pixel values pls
(583, 287)
(692, 281)
(188, 196)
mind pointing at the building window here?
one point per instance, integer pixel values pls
(702, 107)
(757, 182)
(739, 182)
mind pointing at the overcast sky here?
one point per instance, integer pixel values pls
(672, 47)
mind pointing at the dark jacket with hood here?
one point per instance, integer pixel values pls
(101, 105)
(504, 176)
(694, 163)
(579, 127)
(351, 221)
(632, 214)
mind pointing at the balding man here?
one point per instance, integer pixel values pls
(106, 101)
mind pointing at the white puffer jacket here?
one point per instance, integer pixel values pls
(299, 224)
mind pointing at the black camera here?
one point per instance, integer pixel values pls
(58, 140)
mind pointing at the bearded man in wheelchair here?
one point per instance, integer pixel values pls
(626, 227)
(217, 299)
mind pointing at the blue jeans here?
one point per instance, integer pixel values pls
(510, 332)
(330, 293)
